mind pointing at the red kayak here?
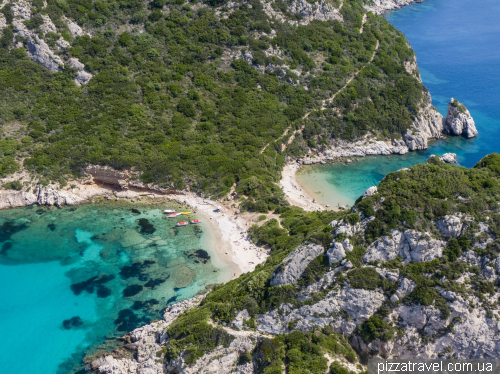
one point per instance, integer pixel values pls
(182, 224)
(173, 215)
(196, 221)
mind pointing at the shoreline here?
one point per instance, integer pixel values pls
(294, 191)
(229, 230)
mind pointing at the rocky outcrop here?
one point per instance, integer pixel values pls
(428, 124)
(48, 195)
(381, 6)
(459, 121)
(336, 253)
(370, 192)
(37, 48)
(294, 264)
(343, 227)
(450, 226)
(108, 175)
(146, 342)
(321, 11)
(410, 245)
(357, 304)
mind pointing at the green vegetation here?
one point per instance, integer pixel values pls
(164, 102)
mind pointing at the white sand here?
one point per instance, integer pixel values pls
(294, 193)
(231, 231)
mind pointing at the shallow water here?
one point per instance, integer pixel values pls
(458, 49)
(75, 278)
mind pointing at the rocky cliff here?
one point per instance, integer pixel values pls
(36, 44)
(381, 6)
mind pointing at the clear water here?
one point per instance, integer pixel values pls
(457, 43)
(48, 261)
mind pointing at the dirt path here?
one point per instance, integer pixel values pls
(325, 102)
(241, 333)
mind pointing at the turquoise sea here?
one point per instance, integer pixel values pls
(73, 279)
(457, 43)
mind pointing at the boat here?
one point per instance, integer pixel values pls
(169, 211)
(196, 221)
(186, 213)
(182, 224)
(174, 215)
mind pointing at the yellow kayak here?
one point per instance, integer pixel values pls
(186, 213)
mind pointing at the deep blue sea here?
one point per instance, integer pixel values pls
(457, 43)
(73, 279)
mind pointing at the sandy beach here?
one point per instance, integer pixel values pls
(294, 193)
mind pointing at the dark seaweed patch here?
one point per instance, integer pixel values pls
(103, 291)
(92, 284)
(199, 255)
(8, 229)
(40, 211)
(146, 226)
(71, 323)
(132, 290)
(5, 247)
(135, 211)
(171, 300)
(136, 270)
(127, 320)
(152, 283)
(144, 304)
(197, 231)
(51, 226)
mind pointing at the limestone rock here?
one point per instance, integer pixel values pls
(410, 245)
(386, 248)
(336, 253)
(459, 121)
(450, 226)
(294, 264)
(450, 158)
(108, 175)
(82, 77)
(415, 140)
(360, 304)
(48, 195)
(40, 53)
(74, 29)
(13, 199)
(390, 275)
(370, 192)
(381, 6)
(407, 286)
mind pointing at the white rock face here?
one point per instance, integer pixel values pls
(74, 29)
(381, 6)
(360, 304)
(450, 226)
(50, 196)
(321, 11)
(14, 199)
(336, 253)
(370, 192)
(410, 245)
(459, 121)
(294, 264)
(428, 124)
(450, 158)
(407, 286)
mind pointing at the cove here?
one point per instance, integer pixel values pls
(457, 44)
(74, 279)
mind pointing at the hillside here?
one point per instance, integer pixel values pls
(410, 272)
(197, 95)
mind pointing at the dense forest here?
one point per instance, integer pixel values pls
(188, 94)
